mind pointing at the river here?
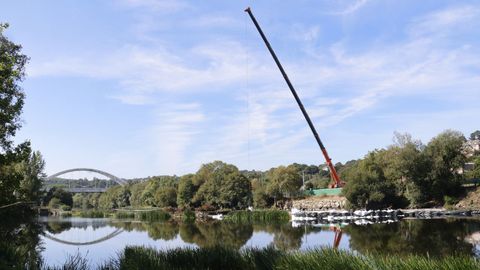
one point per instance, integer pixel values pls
(101, 239)
(55, 239)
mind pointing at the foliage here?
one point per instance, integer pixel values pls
(284, 182)
(475, 173)
(188, 215)
(54, 203)
(370, 188)
(60, 195)
(155, 215)
(165, 197)
(475, 135)
(445, 158)
(407, 173)
(221, 185)
(186, 190)
(32, 169)
(218, 257)
(258, 216)
(260, 197)
(20, 169)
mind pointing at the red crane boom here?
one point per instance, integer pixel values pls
(336, 179)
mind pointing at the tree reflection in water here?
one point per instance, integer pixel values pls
(434, 238)
(19, 240)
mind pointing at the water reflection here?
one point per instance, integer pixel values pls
(23, 242)
(436, 237)
(19, 240)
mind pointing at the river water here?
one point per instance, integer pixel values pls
(101, 239)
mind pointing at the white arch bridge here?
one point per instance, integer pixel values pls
(110, 176)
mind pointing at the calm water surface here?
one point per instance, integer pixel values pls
(102, 239)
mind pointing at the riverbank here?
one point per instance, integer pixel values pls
(267, 258)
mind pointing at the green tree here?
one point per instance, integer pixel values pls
(260, 196)
(284, 182)
(166, 196)
(475, 135)
(12, 72)
(446, 158)
(475, 173)
(63, 196)
(367, 185)
(33, 173)
(214, 178)
(186, 190)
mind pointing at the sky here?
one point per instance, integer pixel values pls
(152, 87)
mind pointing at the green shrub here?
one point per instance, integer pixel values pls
(124, 215)
(65, 207)
(258, 216)
(93, 214)
(188, 215)
(155, 215)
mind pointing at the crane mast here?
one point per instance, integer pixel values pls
(336, 179)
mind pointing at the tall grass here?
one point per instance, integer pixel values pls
(258, 216)
(155, 215)
(124, 215)
(92, 214)
(271, 258)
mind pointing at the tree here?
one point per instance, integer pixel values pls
(367, 185)
(284, 182)
(444, 153)
(221, 185)
(186, 190)
(166, 197)
(475, 135)
(12, 72)
(33, 174)
(61, 196)
(260, 196)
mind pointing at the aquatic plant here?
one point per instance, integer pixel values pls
(93, 214)
(154, 215)
(124, 215)
(258, 216)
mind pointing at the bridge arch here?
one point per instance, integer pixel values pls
(118, 180)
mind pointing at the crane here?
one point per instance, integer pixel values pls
(336, 183)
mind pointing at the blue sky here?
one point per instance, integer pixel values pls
(150, 87)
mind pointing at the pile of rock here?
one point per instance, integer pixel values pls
(316, 203)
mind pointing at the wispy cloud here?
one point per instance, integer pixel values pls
(352, 7)
(157, 5)
(337, 84)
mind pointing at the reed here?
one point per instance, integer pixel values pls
(93, 214)
(271, 258)
(258, 216)
(124, 215)
(154, 215)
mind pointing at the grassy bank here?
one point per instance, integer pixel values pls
(258, 216)
(270, 258)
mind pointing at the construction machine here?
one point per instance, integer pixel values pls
(336, 182)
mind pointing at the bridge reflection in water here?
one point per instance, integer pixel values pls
(52, 229)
